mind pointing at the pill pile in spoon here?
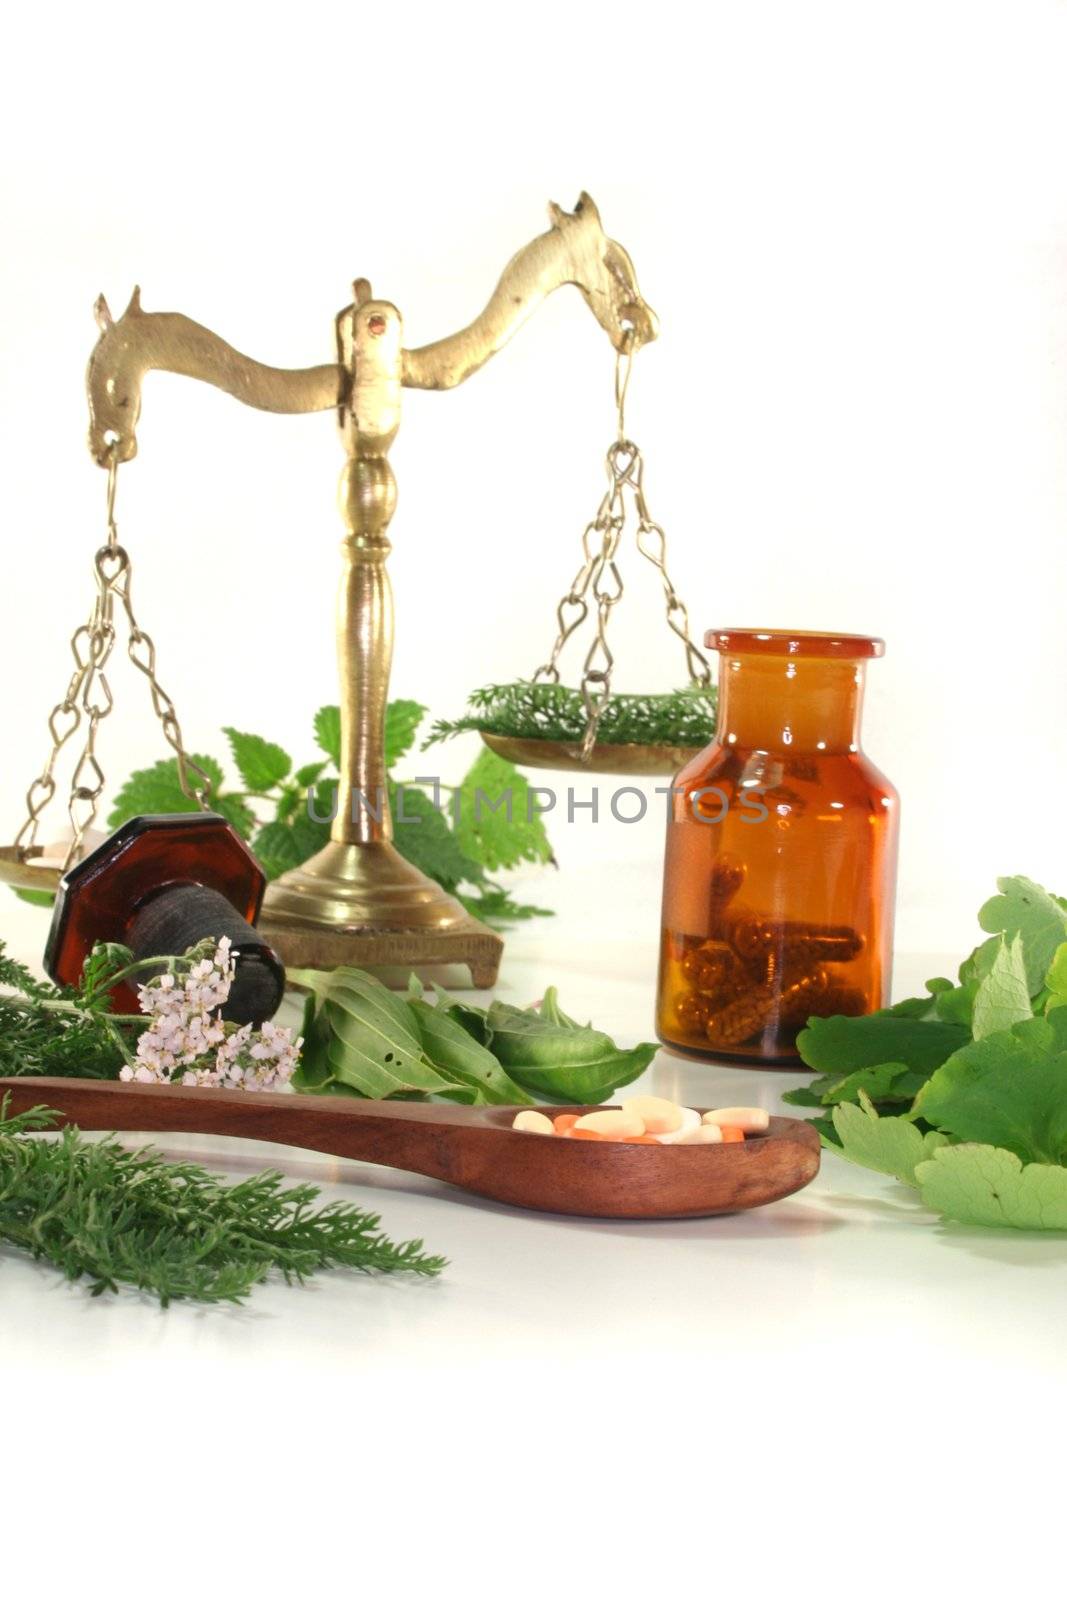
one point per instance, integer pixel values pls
(648, 1119)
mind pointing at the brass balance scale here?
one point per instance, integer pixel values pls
(358, 900)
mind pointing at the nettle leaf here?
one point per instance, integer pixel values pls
(157, 791)
(402, 719)
(306, 776)
(892, 1145)
(289, 802)
(844, 1044)
(1022, 907)
(328, 731)
(990, 1188)
(310, 836)
(261, 764)
(277, 849)
(422, 835)
(291, 840)
(494, 825)
(1009, 1089)
(1003, 996)
(237, 812)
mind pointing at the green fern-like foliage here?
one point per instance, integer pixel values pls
(111, 1216)
(552, 711)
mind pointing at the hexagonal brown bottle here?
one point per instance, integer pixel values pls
(160, 884)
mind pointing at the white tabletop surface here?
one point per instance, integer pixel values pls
(813, 1376)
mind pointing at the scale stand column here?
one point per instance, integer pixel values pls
(358, 901)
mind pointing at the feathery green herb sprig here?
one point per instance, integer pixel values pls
(64, 1032)
(553, 711)
(171, 1229)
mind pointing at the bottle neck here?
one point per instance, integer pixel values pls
(782, 703)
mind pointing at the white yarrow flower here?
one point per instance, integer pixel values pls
(188, 1033)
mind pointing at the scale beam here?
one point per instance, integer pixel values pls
(358, 900)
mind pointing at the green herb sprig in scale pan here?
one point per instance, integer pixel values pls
(552, 711)
(962, 1093)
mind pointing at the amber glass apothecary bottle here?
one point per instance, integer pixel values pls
(780, 867)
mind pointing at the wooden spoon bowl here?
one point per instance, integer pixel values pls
(472, 1147)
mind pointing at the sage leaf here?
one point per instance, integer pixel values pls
(558, 1059)
(455, 1054)
(363, 1036)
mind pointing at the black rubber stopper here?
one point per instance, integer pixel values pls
(181, 916)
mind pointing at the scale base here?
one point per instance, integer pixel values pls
(364, 905)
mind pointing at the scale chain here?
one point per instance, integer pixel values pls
(625, 467)
(89, 697)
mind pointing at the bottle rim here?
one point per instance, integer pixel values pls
(794, 642)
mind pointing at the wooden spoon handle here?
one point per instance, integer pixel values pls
(415, 1138)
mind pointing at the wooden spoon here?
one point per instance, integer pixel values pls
(473, 1147)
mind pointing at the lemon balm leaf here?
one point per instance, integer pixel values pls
(1009, 1089)
(991, 1188)
(1003, 996)
(1023, 908)
(892, 1145)
(1056, 979)
(843, 1045)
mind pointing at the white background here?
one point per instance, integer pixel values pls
(852, 221)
